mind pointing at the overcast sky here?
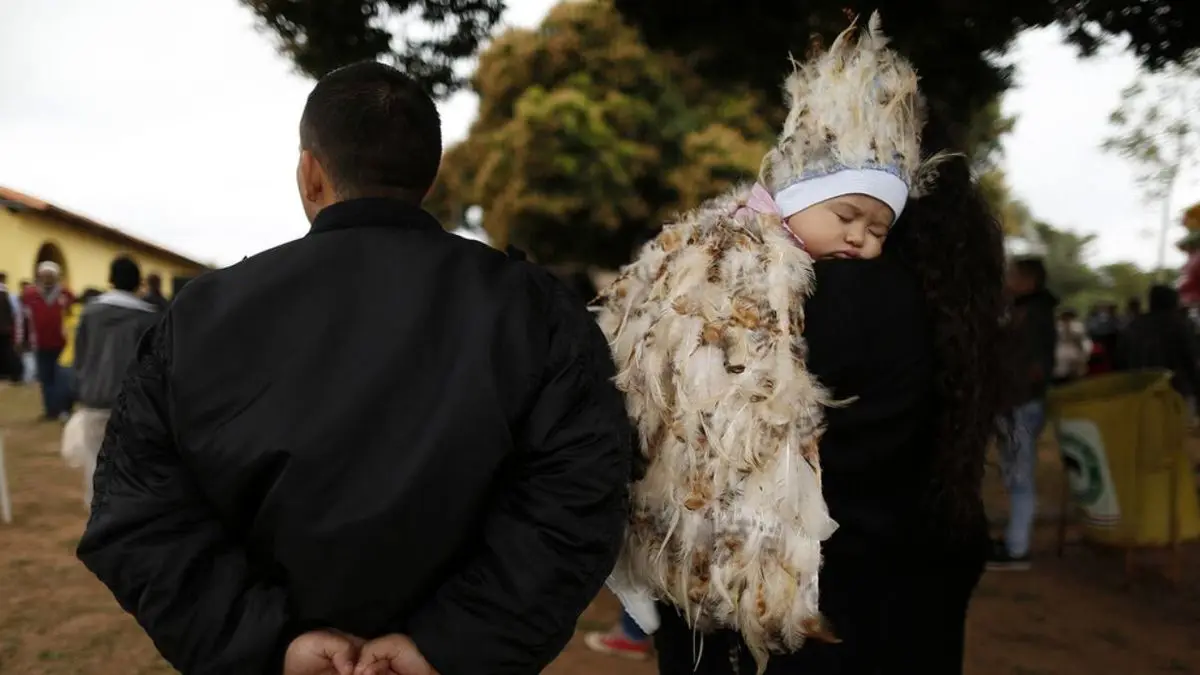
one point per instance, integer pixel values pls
(177, 122)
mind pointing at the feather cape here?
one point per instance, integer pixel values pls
(706, 330)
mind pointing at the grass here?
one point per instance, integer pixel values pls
(1067, 616)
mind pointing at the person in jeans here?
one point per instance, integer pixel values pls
(47, 303)
(1033, 325)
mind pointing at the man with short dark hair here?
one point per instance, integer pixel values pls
(154, 294)
(381, 432)
(105, 342)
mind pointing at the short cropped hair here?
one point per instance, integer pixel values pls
(375, 131)
(124, 274)
(1034, 269)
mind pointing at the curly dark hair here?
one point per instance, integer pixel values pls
(955, 245)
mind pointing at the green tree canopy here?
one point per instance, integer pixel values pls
(1078, 284)
(1067, 270)
(1014, 215)
(1155, 129)
(587, 141)
(321, 35)
(951, 42)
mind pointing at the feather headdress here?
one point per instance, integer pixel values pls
(706, 330)
(853, 125)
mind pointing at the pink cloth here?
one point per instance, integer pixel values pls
(763, 203)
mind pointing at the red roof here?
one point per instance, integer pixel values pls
(10, 196)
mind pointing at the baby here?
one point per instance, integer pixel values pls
(706, 328)
(849, 226)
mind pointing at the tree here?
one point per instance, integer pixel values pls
(321, 35)
(1067, 271)
(1014, 215)
(1155, 128)
(984, 145)
(1081, 286)
(587, 141)
(985, 135)
(951, 42)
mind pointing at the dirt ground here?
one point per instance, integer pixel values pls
(1068, 616)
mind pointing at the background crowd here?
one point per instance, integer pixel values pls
(38, 327)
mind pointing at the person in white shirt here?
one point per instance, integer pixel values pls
(1072, 349)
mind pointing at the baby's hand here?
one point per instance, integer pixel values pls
(392, 655)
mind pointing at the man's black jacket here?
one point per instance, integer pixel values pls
(380, 427)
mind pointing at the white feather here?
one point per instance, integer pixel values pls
(729, 517)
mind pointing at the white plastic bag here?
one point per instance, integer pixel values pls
(82, 436)
(81, 440)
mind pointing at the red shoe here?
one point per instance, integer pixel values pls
(618, 645)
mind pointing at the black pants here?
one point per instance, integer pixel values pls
(897, 623)
(10, 362)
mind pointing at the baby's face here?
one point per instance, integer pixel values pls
(850, 226)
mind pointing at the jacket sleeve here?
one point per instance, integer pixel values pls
(554, 534)
(1047, 341)
(81, 338)
(159, 547)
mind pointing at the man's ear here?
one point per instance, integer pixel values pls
(313, 179)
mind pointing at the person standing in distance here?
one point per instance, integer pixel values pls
(378, 437)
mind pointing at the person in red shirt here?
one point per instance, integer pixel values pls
(46, 303)
(1189, 276)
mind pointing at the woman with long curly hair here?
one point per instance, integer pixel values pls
(954, 244)
(814, 458)
(913, 345)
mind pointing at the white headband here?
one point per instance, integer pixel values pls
(48, 266)
(882, 185)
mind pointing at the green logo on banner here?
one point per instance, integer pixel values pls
(1083, 469)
